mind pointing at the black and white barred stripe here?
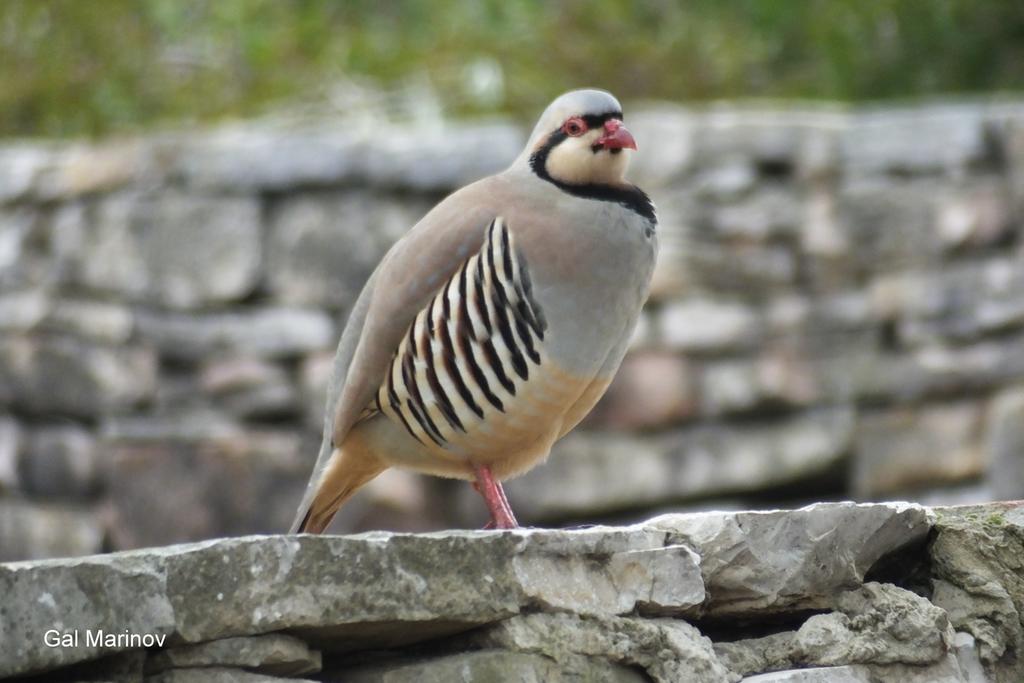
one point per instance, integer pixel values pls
(470, 349)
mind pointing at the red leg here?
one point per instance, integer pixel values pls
(490, 488)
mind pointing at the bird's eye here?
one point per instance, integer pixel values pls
(574, 127)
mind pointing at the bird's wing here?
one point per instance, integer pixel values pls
(403, 283)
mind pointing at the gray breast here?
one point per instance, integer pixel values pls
(593, 304)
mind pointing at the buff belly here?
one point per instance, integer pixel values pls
(509, 442)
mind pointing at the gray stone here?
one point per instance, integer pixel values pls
(765, 215)
(20, 167)
(821, 235)
(35, 531)
(907, 449)
(490, 666)
(424, 586)
(966, 653)
(83, 169)
(250, 388)
(225, 268)
(700, 462)
(217, 674)
(1005, 445)
(147, 249)
(20, 262)
(975, 216)
(961, 302)
(932, 372)
(100, 321)
(321, 250)
(184, 425)
(246, 159)
(229, 484)
(271, 332)
(770, 562)
(743, 268)
(889, 223)
(98, 248)
(977, 578)
(22, 311)
(697, 325)
(914, 140)
(275, 653)
(667, 650)
(437, 161)
(947, 670)
(774, 652)
(314, 377)
(818, 674)
(666, 133)
(726, 180)
(61, 461)
(63, 375)
(10, 449)
(650, 389)
(105, 322)
(784, 139)
(876, 624)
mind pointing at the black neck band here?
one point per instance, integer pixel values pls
(629, 196)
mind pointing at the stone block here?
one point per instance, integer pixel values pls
(268, 332)
(666, 134)
(695, 463)
(35, 531)
(227, 485)
(665, 650)
(818, 674)
(921, 140)
(784, 561)
(707, 325)
(65, 376)
(178, 250)
(21, 165)
(274, 654)
(322, 249)
(492, 666)
(650, 389)
(250, 388)
(906, 449)
(245, 159)
(768, 214)
(218, 674)
(11, 438)
(61, 462)
(1005, 445)
(977, 578)
(319, 588)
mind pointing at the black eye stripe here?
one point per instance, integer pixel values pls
(597, 120)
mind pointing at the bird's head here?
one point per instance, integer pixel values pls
(581, 140)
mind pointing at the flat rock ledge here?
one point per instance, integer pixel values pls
(830, 592)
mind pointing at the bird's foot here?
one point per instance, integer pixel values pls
(494, 495)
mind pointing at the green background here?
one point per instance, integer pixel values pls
(90, 67)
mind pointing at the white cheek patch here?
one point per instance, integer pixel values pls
(574, 161)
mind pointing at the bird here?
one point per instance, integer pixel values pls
(494, 325)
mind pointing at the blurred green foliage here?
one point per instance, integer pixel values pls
(73, 67)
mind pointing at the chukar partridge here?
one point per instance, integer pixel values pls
(496, 323)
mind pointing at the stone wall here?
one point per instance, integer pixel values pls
(838, 312)
(832, 593)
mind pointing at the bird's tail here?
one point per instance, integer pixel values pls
(348, 470)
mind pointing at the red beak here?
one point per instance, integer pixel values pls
(616, 136)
